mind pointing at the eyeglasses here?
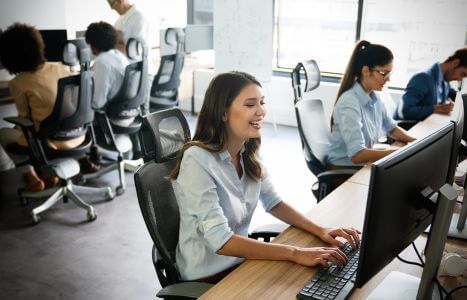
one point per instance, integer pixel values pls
(384, 74)
(111, 2)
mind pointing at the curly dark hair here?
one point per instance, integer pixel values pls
(101, 36)
(21, 48)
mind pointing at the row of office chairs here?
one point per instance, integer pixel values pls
(73, 116)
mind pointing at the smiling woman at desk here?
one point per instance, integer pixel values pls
(218, 182)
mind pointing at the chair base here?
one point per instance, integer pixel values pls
(66, 192)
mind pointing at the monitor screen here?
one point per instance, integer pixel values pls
(396, 212)
(53, 41)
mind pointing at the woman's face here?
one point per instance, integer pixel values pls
(375, 78)
(245, 116)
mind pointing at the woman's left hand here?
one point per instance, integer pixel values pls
(349, 233)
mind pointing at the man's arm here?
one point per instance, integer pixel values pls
(417, 103)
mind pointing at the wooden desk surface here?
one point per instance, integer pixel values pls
(345, 206)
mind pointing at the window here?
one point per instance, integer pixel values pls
(322, 30)
(419, 32)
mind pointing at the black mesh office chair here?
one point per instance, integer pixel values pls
(162, 136)
(118, 123)
(164, 89)
(71, 117)
(314, 129)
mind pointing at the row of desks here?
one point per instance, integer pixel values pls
(345, 206)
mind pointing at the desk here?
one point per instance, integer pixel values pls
(345, 206)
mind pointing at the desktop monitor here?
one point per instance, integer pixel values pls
(396, 212)
(53, 41)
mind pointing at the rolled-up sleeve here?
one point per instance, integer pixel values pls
(388, 122)
(268, 195)
(349, 119)
(198, 199)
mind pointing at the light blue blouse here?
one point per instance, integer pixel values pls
(214, 204)
(359, 121)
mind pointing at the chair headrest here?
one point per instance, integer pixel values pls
(136, 49)
(76, 52)
(163, 134)
(174, 36)
(312, 74)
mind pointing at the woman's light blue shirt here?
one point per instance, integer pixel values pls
(214, 204)
(359, 121)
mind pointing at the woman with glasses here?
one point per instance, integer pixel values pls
(359, 118)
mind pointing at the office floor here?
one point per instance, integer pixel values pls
(65, 257)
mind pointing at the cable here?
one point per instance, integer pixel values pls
(448, 296)
(440, 287)
(418, 254)
(409, 262)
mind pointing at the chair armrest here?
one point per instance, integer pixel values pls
(406, 124)
(20, 121)
(188, 290)
(335, 174)
(268, 231)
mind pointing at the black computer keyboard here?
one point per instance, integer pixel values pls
(335, 282)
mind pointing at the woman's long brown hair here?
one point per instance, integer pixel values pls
(211, 133)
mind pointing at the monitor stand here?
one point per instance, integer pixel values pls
(457, 229)
(402, 286)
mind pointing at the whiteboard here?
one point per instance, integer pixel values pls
(243, 32)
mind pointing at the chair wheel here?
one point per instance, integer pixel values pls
(92, 215)
(35, 219)
(109, 195)
(120, 190)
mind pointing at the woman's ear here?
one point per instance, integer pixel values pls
(365, 71)
(224, 117)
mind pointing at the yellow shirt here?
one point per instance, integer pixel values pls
(35, 95)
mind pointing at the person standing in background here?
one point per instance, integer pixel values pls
(131, 24)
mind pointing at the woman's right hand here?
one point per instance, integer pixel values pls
(315, 256)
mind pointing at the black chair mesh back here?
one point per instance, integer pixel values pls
(72, 112)
(314, 133)
(160, 212)
(172, 132)
(167, 80)
(162, 136)
(132, 93)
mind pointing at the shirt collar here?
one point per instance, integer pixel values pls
(439, 73)
(225, 154)
(363, 98)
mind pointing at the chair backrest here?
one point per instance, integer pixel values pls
(133, 92)
(313, 128)
(72, 112)
(166, 131)
(314, 133)
(167, 80)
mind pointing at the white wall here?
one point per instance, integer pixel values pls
(278, 97)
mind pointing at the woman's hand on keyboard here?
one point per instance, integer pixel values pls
(316, 256)
(351, 234)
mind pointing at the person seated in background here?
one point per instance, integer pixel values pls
(360, 118)
(218, 181)
(34, 90)
(109, 64)
(429, 91)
